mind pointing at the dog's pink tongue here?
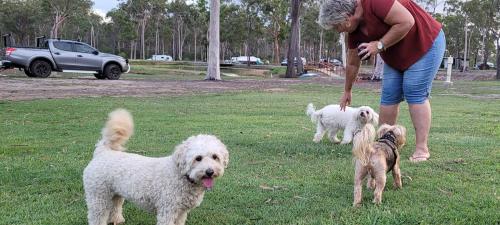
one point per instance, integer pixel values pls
(208, 182)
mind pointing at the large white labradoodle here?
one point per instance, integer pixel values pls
(331, 119)
(169, 186)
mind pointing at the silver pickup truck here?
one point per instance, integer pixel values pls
(62, 56)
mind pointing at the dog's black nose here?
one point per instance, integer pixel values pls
(209, 172)
(362, 114)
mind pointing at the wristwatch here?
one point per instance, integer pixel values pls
(380, 46)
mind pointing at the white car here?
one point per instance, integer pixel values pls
(166, 58)
(285, 61)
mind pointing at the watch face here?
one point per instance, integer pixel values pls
(380, 46)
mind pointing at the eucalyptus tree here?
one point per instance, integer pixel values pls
(180, 15)
(276, 12)
(232, 28)
(24, 25)
(61, 10)
(200, 25)
(482, 19)
(121, 29)
(311, 33)
(159, 14)
(481, 15)
(293, 46)
(252, 11)
(141, 11)
(213, 69)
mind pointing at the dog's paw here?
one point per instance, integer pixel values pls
(344, 142)
(334, 140)
(356, 204)
(377, 201)
(315, 140)
(116, 219)
(397, 185)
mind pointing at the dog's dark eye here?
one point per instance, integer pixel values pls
(215, 157)
(367, 112)
(198, 158)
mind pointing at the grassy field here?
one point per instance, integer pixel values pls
(277, 175)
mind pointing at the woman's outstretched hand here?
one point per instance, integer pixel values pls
(345, 100)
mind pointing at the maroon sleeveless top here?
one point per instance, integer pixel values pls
(409, 49)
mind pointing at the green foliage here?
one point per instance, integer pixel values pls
(254, 27)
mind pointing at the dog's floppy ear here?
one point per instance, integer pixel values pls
(383, 129)
(400, 133)
(180, 157)
(225, 157)
(375, 117)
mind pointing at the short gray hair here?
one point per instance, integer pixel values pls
(335, 11)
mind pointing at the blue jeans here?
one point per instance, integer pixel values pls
(415, 83)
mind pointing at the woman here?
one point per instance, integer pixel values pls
(412, 45)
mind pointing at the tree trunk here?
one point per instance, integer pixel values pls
(276, 35)
(131, 49)
(249, 28)
(173, 46)
(143, 31)
(213, 70)
(300, 63)
(157, 37)
(179, 34)
(195, 45)
(498, 58)
(58, 20)
(320, 55)
(182, 41)
(293, 46)
(486, 50)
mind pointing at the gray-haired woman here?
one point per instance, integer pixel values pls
(412, 45)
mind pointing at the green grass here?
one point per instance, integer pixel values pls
(277, 175)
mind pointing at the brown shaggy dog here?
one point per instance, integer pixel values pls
(376, 158)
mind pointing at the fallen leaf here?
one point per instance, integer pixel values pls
(265, 187)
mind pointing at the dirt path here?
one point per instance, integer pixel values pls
(18, 88)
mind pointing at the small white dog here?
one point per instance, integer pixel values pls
(169, 186)
(331, 119)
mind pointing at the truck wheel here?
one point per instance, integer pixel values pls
(28, 73)
(112, 72)
(99, 76)
(40, 68)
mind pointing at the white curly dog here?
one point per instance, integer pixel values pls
(331, 119)
(169, 186)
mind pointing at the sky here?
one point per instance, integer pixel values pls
(101, 7)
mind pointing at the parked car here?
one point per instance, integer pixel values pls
(336, 62)
(165, 58)
(285, 61)
(62, 56)
(245, 59)
(486, 66)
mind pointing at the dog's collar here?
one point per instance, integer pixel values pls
(389, 139)
(189, 179)
(357, 132)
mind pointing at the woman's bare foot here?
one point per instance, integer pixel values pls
(420, 155)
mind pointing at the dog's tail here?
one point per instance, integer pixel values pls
(117, 130)
(311, 112)
(361, 143)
